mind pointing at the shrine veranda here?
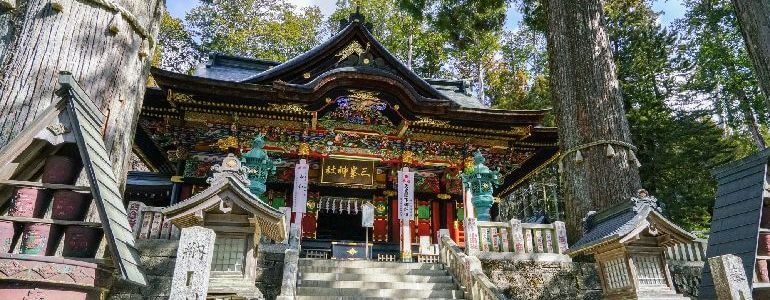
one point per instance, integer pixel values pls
(357, 115)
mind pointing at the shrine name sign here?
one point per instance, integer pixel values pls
(347, 171)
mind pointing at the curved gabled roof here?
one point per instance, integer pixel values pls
(355, 31)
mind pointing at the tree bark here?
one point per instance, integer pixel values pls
(754, 18)
(111, 67)
(589, 108)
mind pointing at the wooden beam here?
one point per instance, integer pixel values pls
(52, 186)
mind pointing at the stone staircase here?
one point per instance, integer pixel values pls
(232, 287)
(330, 279)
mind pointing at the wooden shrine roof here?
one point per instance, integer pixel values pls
(737, 210)
(75, 119)
(623, 221)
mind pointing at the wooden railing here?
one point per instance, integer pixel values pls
(695, 251)
(149, 222)
(467, 271)
(523, 238)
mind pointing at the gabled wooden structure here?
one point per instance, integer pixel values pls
(72, 127)
(239, 219)
(628, 242)
(742, 200)
(228, 200)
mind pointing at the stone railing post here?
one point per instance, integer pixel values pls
(517, 237)
(290, 268)
(471, 237)
(290, 265)
(561, 236)
(730, 279)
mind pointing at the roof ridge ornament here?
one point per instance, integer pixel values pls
(355, 17)
(230, 166)
(644, 198)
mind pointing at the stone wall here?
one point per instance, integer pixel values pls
(529, 280)
(158, 258)
(686, 276)
(270, 269)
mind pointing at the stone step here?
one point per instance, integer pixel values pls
(389, 293)
(379, 285)
(366, 264)
(374, 277)
(389, 271)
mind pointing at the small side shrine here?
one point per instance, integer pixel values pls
(628, 242)
(239, 219)
(64, 232)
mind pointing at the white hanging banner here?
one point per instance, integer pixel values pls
(300, 186)
(367, 215)
(405, 194)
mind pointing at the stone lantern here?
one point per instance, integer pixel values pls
(259, 166)
(482, 182)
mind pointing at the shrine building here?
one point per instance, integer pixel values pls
(357, 115)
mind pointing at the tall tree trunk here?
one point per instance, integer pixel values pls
(409, 52)
(481, 81)
(589, 108)
(754, 17)
(75, 35)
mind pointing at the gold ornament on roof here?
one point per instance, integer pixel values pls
(303, 149)
(292, 108)
(351, 48)
(426, 121)
(407, 157)
(227, 143)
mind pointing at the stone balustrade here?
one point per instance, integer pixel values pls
(467, 271)
(692, 252)
(526, 241)
(148, 222)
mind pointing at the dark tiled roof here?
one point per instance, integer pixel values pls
(615, 226)
(456, 91)
(737, 210)
(622, 219)
(232, 68)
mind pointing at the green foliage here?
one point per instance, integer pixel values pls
(176, 49)
(517, 78)
(718, 68)
(266, 29)
(473, 28)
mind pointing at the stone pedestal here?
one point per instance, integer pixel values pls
(193, 264)
(730, 279)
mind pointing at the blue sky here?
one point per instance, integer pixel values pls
(672, 9)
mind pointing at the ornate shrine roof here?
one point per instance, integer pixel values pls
(348, 96)
(620, 223)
